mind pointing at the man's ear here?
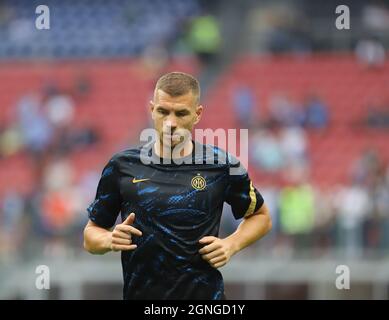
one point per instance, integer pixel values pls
(199, 112)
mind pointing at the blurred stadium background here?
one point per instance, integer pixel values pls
(315, 100)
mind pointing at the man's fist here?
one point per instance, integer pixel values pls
(121, 236)
(217, 252)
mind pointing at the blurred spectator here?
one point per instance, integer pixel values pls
(293, 142)
(284, 112)
(60, 109)
(297, 209)
(34, 125)
(12, 228)
(366, 168)
(11, 141)
(20, 30)
(377, 115)
(58, 206)
(370, 52)
(204, 38)
(353, 205)
(154, 60)
(244, 106)
(286, 39)
(381, 199)
(375, 16)
(283, 28)
(57, 211)
(376, 221)
(58, 175)
(316, 113)
(69, 139)
(377, 118)
(325, 218)
(266, 151)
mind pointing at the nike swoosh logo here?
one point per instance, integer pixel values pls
(138, 180)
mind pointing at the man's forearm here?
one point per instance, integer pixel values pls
(250, 230)
(97, 240)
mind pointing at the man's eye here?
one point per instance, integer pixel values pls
(164, 112)
(182, 114)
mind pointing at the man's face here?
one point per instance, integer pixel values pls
(174, 117)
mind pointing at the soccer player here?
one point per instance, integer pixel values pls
(171, 212)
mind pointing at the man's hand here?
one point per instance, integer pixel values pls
(217, 252)
(121, 236)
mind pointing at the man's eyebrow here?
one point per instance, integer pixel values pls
(182, 109)
(162, 108)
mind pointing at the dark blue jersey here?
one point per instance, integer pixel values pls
(175, 206)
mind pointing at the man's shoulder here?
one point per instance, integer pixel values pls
(129, 154)
(213, 154)
(220, 157)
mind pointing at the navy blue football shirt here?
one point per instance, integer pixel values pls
(175, 206)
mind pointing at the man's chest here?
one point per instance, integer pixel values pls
(161, 189)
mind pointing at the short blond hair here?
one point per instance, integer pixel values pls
(177, 84)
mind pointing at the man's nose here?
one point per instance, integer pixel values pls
(171, 123)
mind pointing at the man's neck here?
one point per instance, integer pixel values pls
(163, 151)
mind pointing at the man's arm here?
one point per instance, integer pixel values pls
(98, 240)
(251, 229)
(219, 251)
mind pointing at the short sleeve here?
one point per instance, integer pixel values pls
(241, 194)
(107, 204)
